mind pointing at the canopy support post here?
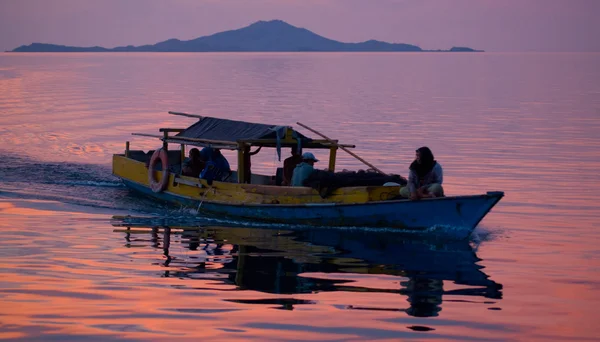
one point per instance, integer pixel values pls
(332, 156)
(165, 143)
(241, 165)
(182, 156)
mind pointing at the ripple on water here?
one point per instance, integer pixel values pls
(525, 124)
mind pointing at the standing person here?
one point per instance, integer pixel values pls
(248, 162)
(304, 169)
(289, 164)
(425, 176)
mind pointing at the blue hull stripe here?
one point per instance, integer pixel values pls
(459, 212)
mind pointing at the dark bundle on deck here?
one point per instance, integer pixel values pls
(326, 182)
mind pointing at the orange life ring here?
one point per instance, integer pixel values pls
(155, 185)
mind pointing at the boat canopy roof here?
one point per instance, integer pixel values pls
(232, 131)
(233, 134)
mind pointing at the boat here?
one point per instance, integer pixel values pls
(262, 198)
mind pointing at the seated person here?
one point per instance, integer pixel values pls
(289, 164)
(217, 166)
(193, 165)
(221, 162)
(424, 178)
(304, 169)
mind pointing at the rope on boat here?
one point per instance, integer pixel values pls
(203, 197)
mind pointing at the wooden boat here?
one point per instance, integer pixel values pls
(258, 197)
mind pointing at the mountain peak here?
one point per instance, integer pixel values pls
(275, 23)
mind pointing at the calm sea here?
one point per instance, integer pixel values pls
(526, 124)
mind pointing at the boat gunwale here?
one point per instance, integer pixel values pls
(496, 194)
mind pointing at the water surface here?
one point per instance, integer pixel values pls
(82, 257)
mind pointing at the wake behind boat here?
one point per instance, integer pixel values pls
(360, 200)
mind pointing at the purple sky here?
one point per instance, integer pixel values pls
(492, 25)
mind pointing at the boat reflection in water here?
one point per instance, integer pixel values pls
(308, 261)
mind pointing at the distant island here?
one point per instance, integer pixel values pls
(262, 36)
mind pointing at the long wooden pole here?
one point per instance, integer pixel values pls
(208, 141)
(343, 148)
(188, 115)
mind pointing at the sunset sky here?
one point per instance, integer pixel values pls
(492, 25)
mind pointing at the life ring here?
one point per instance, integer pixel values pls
(155, 185)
